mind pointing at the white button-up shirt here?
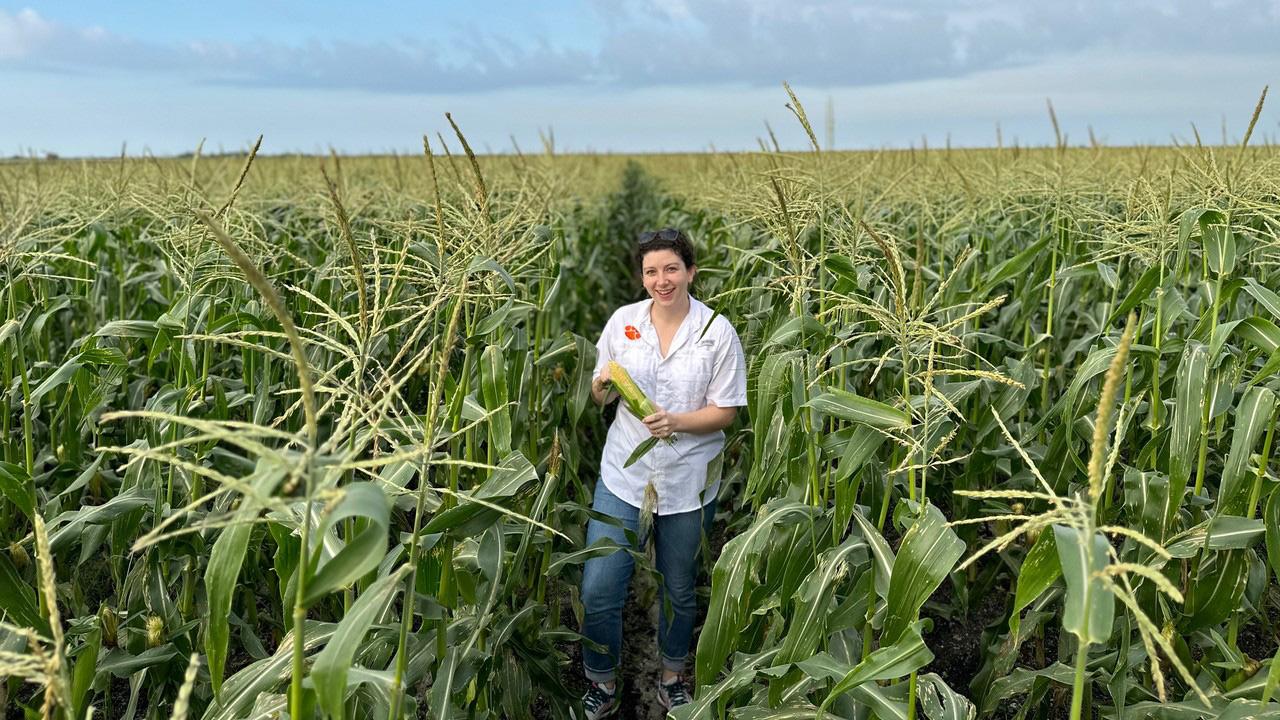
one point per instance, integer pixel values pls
(699, 369)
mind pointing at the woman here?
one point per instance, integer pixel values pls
(689, 363)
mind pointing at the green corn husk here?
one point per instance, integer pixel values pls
(637, 403)
(631, 393)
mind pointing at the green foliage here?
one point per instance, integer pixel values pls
(335, 433)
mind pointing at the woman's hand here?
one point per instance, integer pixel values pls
(662, 424)
(601, 391)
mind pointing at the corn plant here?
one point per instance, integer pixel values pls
(314, 435)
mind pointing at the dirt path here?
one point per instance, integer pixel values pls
(640, 667)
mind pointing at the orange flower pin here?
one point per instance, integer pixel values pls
(632, 332)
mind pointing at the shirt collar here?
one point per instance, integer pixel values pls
(690, 327)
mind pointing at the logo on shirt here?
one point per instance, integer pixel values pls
(632, 332)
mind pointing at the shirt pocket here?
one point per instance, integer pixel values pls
(694, 375)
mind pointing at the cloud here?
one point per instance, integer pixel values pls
(30, 42)
(1125, 98)
(652, 43)
(22, 33)
(842, 44)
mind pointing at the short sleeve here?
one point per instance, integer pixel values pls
(728, 386)
(603, 352)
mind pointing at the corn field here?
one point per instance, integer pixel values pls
(311, 437)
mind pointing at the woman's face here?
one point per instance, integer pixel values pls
(665, 277)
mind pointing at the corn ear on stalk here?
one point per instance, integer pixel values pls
(647, 511)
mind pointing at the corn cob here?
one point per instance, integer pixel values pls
(641, 407)
(631, 393)
(637, 403)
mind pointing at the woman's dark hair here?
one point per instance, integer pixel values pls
(664, 239)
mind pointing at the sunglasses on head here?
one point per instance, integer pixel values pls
(668, 234)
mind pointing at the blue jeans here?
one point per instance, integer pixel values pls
(677, 539)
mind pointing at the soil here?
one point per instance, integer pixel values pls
(956, 641)
(93, 578)
(1260, 638)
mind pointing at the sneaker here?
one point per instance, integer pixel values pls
(675, 693)
(599, 702)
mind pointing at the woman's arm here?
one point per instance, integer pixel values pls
(699, 422)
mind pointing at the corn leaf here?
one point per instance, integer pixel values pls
(1145, 496)
(1260, 332)
(16, 485)
(1139, 292)
(641, 450)
(764, 401)
(512, 475)
(1219, 243)
(222, 574)
(790, 711)
(1215, 590)
(242, 690)
(1273, 679)
(928, 552)
(814, 606)
(744, 671)
(804, 326)
(1191, 382)
(329, 671)
(580, 395)
(86, 669)
(905, 655)
(881, 554)
(1016, 265)
(363, 552)
(122, 664)
(1253, 415)
(144, 329)
(1271, 513)
(1040, 570)
(18, 599)
(1230, 532)
(855, 408)
(493, 385)
(1090, 606)
(729, 579)
(9, 329)
(72, 523)
(455, 672)
(940, 702)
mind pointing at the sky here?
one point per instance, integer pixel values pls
(82, 78)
